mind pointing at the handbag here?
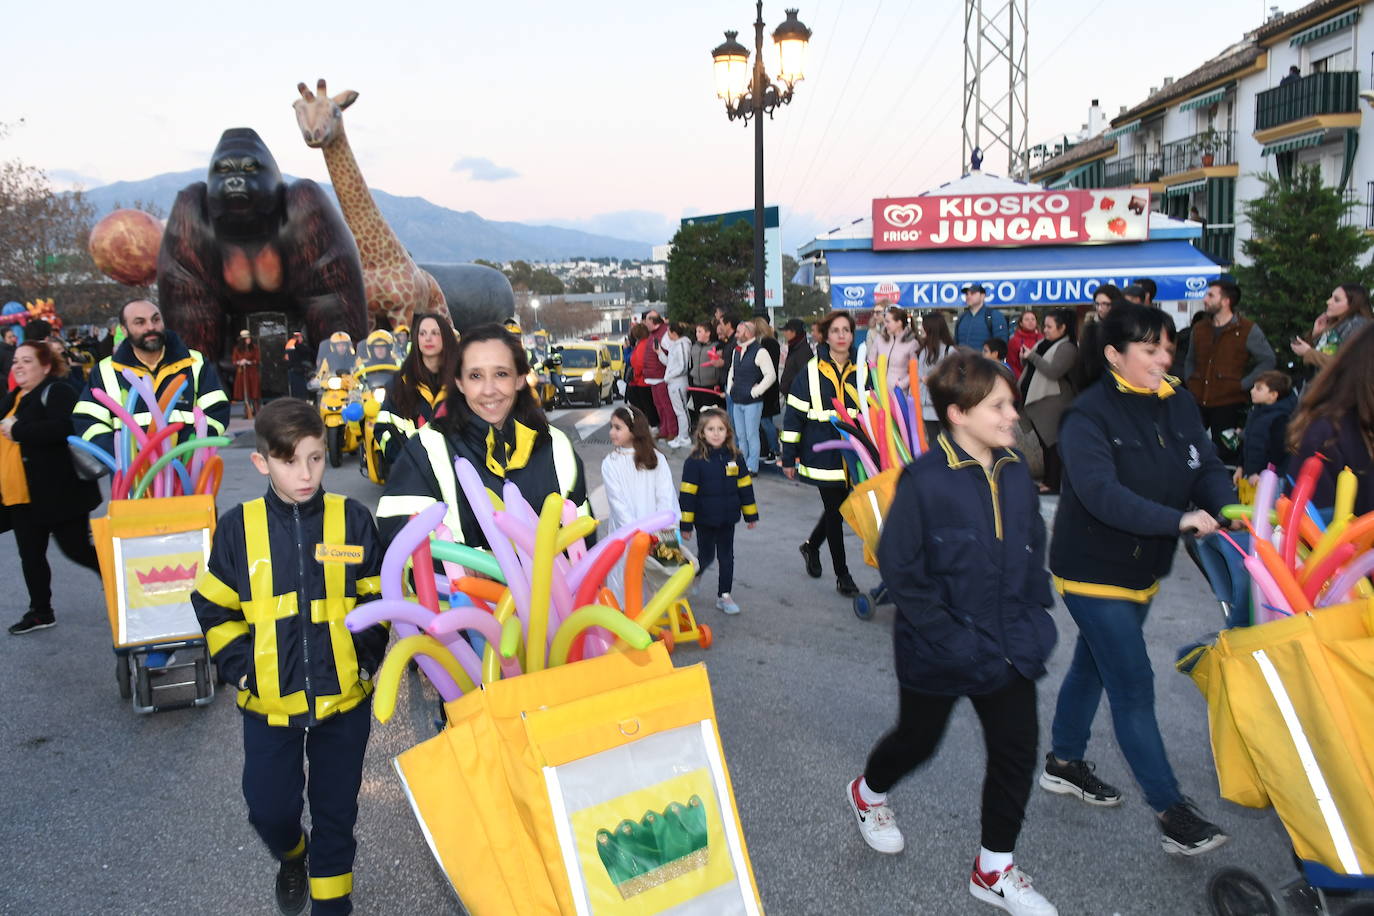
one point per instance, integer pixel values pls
(85, 465)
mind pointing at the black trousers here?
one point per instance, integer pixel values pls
(642, 396)
(717, 543)
(830, 528)
(1220, 419)
(31, 533)
(273, 782)
(1010, 732)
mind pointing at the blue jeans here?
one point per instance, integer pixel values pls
(1111, 653)
(770, 434)
(745, 419)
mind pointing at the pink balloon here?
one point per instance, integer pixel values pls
(517, 580)
(1353, 572)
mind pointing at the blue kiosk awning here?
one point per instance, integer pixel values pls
(1033, 276)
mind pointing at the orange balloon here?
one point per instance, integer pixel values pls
(125, 244)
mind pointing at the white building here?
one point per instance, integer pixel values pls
(1200, 142)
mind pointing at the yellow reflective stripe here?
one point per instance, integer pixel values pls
(331, 888)
(820, 473)
(744, 481)
(262, 611)
(368, 585)
(688, 487)
(403, 506)
(221, 635)
(332, 610)
(799, 403)
(92, 409)
(295, 852)
(436, 449)
(216, 592)
(751, 509)
(689, 516)
(210, 398)
(109, 376)
(791, 436)
(1095, 590)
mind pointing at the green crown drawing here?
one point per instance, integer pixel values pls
(657, 848)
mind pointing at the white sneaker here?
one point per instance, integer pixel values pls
(727, 604)
(877, 823)
(1011, 890)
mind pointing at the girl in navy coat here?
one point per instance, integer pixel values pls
(963, 555)
(716, 491)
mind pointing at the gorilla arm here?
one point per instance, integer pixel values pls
(324, 275)
(189, 289)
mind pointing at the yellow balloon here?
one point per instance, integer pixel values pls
(596, 615)
(663, 599)
(575, 531)
(388, 680)
(541, 581)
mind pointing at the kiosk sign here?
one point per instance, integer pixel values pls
(1069, 217)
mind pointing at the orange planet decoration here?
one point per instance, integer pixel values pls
(125, 244)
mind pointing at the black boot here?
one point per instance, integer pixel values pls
(812, 555)
(844, 584)
(293, 887)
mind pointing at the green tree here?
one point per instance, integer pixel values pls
(582, 285)
(709, 268)
(543, 282)
(800, 301)
(1300, 247)
(651, 292)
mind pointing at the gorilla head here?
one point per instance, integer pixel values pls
(244, 189)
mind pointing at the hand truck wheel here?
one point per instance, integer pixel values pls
(126, 688)
(1236, 892)
(864, 607)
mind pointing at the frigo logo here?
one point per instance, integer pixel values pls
(902, 215)
(854, 293)
(1195, 284)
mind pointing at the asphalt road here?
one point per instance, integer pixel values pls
(106, 811)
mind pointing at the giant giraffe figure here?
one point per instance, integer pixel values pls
(395, 285)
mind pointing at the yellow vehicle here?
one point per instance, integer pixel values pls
(617, 351)
(335, 382)
(377, 366)
(586, 373)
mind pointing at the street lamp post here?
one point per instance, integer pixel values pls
(750, 93)
(534, 304)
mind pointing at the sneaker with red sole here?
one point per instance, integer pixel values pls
(1009, 890)
(877, 823)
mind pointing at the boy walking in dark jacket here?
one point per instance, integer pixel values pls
(963, 555)
(284, 571)
(1266, 430)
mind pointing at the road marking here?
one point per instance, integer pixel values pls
(592, 421)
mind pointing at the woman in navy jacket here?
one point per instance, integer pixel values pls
(1136, 456)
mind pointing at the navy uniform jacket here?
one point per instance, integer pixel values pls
(1133, 464)
(716, 490)
(286, 631)
(963, 555)
(96, 423)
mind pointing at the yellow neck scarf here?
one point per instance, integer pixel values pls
(1165, 389)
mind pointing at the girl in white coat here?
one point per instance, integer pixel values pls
(637, 478)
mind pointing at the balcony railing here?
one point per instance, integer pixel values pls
(1136, 168)
(1337, 92)
(1219, 244)
(1192, 152)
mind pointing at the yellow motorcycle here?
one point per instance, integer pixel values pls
(372, 384)
(377, 366)
(335, 382)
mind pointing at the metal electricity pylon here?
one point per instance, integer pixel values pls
(995, 83)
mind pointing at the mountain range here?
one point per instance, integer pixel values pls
(431, 233)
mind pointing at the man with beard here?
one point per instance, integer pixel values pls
(150, 350)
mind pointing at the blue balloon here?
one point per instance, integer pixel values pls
(12, 308)
(353, 413)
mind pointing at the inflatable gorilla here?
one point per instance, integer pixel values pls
(244, 241)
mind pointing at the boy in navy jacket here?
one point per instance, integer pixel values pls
(1266, 430)
(284, 571)
(963, 556)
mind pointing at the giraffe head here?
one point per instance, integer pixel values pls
(320, 117)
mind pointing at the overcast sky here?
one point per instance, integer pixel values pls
(599, 114)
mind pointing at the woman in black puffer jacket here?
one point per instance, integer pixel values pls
(43, 498)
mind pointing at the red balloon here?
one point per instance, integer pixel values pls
(125, 244)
